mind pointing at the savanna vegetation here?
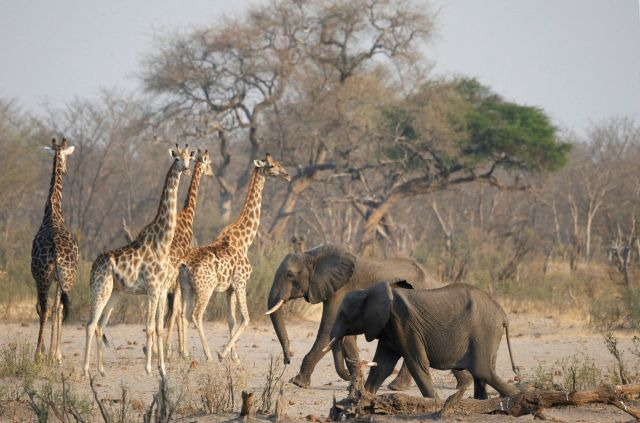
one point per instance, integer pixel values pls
(385, 159)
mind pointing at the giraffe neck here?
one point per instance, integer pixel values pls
(189, 208)
(247, 223)
(164, 224)
(53, 207)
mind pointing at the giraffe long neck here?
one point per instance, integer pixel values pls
(247, 223)
(164, 224)
(53, 207)
(189, 208)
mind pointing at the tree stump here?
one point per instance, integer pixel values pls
(247, 404)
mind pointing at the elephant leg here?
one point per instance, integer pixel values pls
(416, 359)
(402, 381)
(504, 389)
(386, 360)
(479, 389)
(463, 377)
(329, 313)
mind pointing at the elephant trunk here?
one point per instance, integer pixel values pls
(337, 340)
(277, 320)
(338, 360)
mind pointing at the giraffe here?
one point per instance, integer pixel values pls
(140, 267)
(181, 244)
(54, 254)
(223, 266)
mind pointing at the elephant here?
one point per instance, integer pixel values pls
(325, 274)
(454, 327)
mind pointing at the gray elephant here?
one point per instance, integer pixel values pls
(325, 274)
(455, 327)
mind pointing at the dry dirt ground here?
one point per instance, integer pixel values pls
(534, 339)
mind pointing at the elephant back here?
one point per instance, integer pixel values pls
(371, 271)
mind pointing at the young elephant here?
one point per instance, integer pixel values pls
(454, 327)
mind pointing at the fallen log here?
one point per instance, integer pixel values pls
(361, 403)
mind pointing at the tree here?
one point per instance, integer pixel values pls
(456, 132)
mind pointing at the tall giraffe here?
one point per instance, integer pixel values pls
(223, 265)
(142, 266)
(54, 254)
(182, 244)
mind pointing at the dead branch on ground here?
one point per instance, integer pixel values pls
(361, 403)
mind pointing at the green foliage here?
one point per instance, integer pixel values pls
(573, 373)
(17, 360)
(456, 123)
(611, 310)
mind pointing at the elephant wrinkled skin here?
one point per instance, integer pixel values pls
(325, 274)
(456, 327)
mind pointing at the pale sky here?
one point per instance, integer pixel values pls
(577, 59)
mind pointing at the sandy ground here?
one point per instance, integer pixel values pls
(534, 339)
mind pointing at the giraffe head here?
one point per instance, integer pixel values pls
(205, 162)
(182, 158)
(271, 167)
(60, 151)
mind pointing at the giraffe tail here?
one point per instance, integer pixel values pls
(171, 296)
(66, 305)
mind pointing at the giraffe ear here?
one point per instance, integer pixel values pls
(49, 150)
(172, 153)
(259, 163)
(69, 150)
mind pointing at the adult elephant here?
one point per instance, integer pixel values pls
(325, 274)
(455, 327)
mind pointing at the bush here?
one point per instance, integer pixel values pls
(17, 360)
(219, 389)
(611, 310)
(573, 373)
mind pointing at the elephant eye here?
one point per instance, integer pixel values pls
(289, 275)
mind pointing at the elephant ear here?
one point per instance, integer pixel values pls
(377, 309)
(331, 269)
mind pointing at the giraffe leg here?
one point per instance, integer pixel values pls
(198, 313)
(244, 311)
(173, 313)
(58, 353)
(101, 286)
(43, 313)
(177, 311)
(186, 309)
(153, 296)
(102, 323)
(232, 321)
(162, 300)
(55, 308)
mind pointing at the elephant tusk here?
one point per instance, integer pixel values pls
(328, 347)
(275, 307)
(371, 364)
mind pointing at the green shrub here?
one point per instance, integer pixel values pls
(17, 360)
(573, 373)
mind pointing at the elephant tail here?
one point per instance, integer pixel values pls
(515, 368)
